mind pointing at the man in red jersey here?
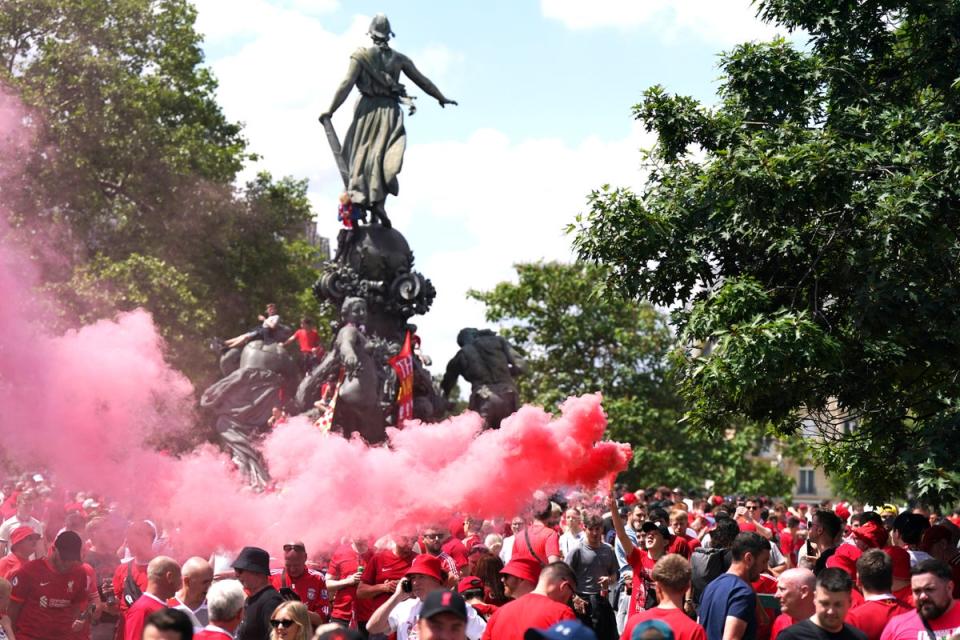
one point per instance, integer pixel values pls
(671, 579)
(795, 590)
(49, 593)
(540, 540)
(875, 572)
(225, 601)
(163, 580)
(541, 608)
(130, 578)
(381, 576)
(434, 539)
(308, 584)
(23, 543)
(343, 575)
(309, 342)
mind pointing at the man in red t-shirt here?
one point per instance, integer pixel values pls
(309, 342)
(130, 578)
(433, 537)
(875, 573)
(344, 571)
(163, 580)
(539, 609)
(679, 523)
(380, 577)
(540, 540)
(306, 583)
(23, 543)
(49, 593)
(671, 579)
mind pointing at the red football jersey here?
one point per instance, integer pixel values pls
(311, 587)
(344, 563)
(384, 565)
(50, 600)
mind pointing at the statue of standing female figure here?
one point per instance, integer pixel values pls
(374, 145)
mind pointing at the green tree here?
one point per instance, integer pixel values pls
(805, 229)
(129, 193)
(577, 342)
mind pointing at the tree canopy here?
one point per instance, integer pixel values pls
(130, 193)
(576, 342)
(805, 231)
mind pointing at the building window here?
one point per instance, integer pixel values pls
(806, 484)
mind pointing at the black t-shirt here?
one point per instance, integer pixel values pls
(807, 630)
(256, 614)
(822, 560)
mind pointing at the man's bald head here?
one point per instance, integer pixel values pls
(196, 566)
(295, 557)
(799, 576)
(163, 577)
(796, 589)
(197, 578)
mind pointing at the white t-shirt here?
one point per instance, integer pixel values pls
(506, 551)
(569, 542)
(403, 621)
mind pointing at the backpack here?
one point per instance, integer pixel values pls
(707, 564)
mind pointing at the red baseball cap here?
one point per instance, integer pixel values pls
(629, 498)
(524, 568)
(427, 565)
(469, 583)
(845, 557)
(21, 533)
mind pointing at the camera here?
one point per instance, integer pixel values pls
(406, 585)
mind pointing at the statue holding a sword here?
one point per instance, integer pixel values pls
(372, 152)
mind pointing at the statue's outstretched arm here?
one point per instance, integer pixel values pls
(451, 375)
(424, 82)
(353, 71)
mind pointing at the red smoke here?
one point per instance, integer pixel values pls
(82, 404)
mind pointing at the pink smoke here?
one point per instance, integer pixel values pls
(82, 404)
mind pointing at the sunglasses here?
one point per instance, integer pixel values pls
(294, 547)
(433, 536)
(751, 507)
(286, 624)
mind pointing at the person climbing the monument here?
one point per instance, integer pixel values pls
(308, 340)
(374, 145)
(268, 325)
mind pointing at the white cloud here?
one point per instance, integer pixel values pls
(507, 202)
(719, 21)
(225, 20)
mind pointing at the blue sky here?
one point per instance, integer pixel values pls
(545, 91)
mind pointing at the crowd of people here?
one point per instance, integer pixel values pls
(644, 565)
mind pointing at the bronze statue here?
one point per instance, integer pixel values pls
(350, 363)
(372, 153)
(490, 364)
